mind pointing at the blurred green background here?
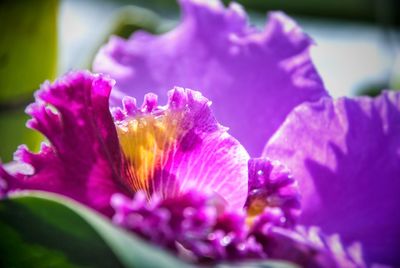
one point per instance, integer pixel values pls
(357, 52)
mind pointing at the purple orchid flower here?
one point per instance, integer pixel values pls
(344, 153)
(195, 190)
(173, 174)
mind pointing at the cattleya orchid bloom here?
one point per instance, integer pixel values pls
(195, 189)
(173, 175)
(344, 153)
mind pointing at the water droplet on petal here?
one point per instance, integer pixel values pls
(226, 240)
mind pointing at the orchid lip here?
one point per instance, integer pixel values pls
(172, 148)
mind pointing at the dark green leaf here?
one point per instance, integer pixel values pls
(259, 264)
(46, 230)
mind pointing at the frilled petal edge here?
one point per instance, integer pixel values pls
(83, 159)
(271, 185)
(195, 227)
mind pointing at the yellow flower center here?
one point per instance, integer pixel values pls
(146, 141)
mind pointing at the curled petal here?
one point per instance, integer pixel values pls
(83, 159)
(272, 185)
(346, 156)
(247, 72)
(170, 149)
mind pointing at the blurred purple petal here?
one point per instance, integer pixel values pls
(346, 156)
(83, 160)
(170, 149)
(255, 78)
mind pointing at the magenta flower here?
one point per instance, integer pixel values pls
(344, 153)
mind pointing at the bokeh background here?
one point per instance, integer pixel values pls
(357, 48)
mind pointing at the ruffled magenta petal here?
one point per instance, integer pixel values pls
(180, 146)
(346, 156)
(194, 227)
(83, 160)
(254, 77)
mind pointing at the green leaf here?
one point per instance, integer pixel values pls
(46, 230)
(28, 47)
